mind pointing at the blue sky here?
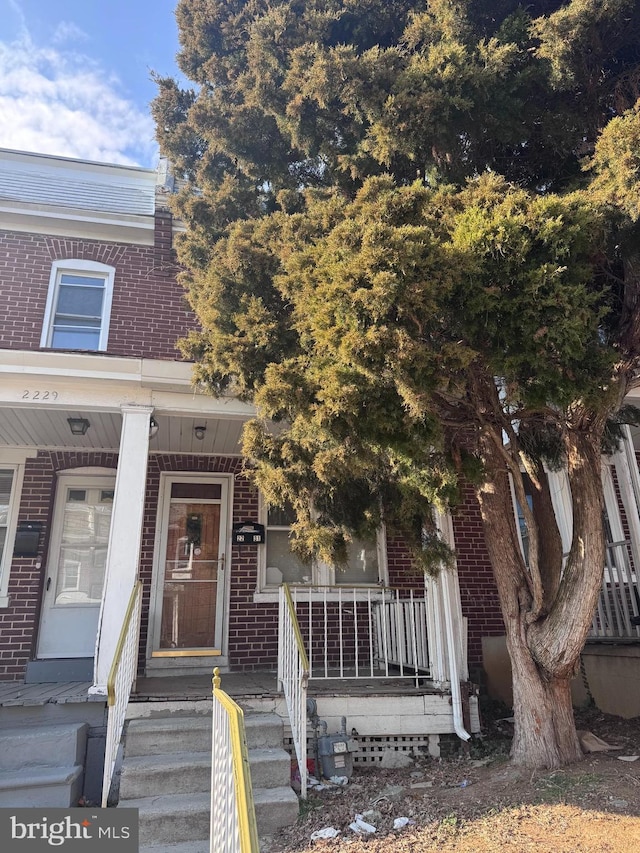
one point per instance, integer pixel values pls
(75, 76)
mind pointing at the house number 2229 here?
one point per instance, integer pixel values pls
(40, 395)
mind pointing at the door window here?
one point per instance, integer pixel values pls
(83, 546)
(192, 568)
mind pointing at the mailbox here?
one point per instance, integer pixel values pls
(248, 533)
(27, 539)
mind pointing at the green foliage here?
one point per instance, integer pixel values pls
(408, 226)
(616, 164)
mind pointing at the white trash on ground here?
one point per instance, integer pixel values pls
(360, 825)
(327, 832)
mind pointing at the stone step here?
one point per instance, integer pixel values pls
(263, 731)
(179, 847)
(275, 808)
(166, 735)
(175, 773)
(157, 735)
(43, 746)
(192, 847)
(270, 768)
(166, 775)
(50, 787)
(171, 818)
(184, 772)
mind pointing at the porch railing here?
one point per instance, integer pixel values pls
(233, 818)
(363, 632)
(619, 601)
(293, 675)
(120, 682)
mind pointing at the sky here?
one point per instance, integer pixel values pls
(75, 76)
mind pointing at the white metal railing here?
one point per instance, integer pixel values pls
(364, 632)
(293, 675)
(233, 819)
(619, 601)
(120, 682)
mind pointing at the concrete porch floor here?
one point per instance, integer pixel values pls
(239, 685)
(263, 684)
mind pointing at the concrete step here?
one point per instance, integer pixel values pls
(171, 818)
(181, 773)
(51, 787)
(157, 735)
(177, 773)
(166, 735)
(192, 847)
(166, 775)
(275, 808)
(61, 745)
(180, 847)
(263, 731)
(270, 768)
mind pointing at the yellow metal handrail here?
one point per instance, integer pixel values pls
(117, 656)
(247, 831)
(122, 676)
(293, 616)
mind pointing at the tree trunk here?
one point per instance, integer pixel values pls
(544, 728)
(545, 651)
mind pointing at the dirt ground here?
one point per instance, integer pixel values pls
(481, 804)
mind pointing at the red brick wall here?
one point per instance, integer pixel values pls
(253, 628)
(149, 312)
(19, 621)
(478, 591)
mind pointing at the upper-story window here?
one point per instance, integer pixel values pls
(366, 559)
(78, 306)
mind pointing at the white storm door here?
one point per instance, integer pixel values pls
(76, 566)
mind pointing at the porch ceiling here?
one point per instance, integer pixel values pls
(48, 428)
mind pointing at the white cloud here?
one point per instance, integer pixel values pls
(67, 31)
(55, 101)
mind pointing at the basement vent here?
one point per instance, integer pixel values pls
(372, 748)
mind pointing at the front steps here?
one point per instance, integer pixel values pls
(43, 766)
(166, 775)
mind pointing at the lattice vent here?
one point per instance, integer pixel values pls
(372, 748)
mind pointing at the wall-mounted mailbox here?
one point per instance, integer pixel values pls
(27, 539)
(248, 533)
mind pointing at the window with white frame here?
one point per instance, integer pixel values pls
(10, 487)
(366, 559)
(78, 306)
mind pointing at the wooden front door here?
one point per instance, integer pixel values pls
(191, 592)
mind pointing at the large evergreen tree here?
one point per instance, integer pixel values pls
(413, 241)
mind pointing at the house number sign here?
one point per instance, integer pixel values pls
(41, 396)
(248, 533)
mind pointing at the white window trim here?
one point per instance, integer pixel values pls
(322, 574)
(75, 265)
(15, 461)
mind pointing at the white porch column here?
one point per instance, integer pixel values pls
(628, 483)
(124, 538)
